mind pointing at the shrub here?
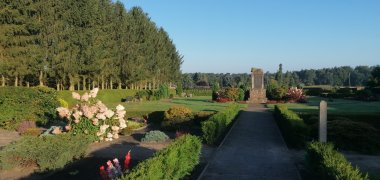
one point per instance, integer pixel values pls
(295, 95)
(231, 93)
(18, 104)
(176, 117)
(292, 127)
(241, 96)
(216, 125)
(173, 162)
(47, 152)
(351, 135)
(275, 91)
(155, 136)
(327, 163)
(92, 118)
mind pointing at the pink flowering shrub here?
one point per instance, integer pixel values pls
(91, 117)
(295, 95)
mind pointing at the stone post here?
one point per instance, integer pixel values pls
(323, 121)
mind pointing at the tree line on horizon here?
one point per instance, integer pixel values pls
(336, 76)
(81, 44)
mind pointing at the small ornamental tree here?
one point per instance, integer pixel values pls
(93, 118)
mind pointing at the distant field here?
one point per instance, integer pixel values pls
(337, 106)
(113, 97)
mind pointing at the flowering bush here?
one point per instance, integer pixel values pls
(295, 94)
(93, 118)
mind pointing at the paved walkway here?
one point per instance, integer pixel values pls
(254, 149)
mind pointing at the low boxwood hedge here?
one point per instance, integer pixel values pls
(216, 125)
(327, 163)
(174, 162)
(295, 132)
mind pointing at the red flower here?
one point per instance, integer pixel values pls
(127, 160)
(103, 173)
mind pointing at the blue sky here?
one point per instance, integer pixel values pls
(234, 35)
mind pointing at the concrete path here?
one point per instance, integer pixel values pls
(253, 149)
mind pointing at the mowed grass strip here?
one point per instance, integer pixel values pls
(336, 106)
(113, 97)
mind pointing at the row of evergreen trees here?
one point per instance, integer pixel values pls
(336, 76)
(80, 44)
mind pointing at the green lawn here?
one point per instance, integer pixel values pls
(337, 106)
(113, 97)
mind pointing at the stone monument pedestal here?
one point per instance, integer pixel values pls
(257, 94)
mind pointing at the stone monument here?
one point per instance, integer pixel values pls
(257, 93)
(323, 121)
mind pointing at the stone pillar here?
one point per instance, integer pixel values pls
(323, 121)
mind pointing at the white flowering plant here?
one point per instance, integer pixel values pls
(90, 116)
(295, 94)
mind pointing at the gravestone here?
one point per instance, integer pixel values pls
(257, 92)
(323, 121)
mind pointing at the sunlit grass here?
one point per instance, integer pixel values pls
(336, 106)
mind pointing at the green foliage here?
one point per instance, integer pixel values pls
(179, 89)
(87, 128)
(155, 136)
(47, 152)
(294, 130)
(327, 163)
(275, 91)
(231, 93)
(374, 80)
(199, 92)
(174, 162)
(176, 116)
(92, 42)
(63, 103)
(356, 136)
(20, 104)
(214, 128)
(163, 91)
(241, 96)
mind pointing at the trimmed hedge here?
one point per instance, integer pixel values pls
(19, 104)
(47, 152)
(356, 136)
(327, 163)
(199, 92)
(214, 127)
(295, 132)
(174, 162)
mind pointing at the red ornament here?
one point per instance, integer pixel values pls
(127, 160)
(103, 173)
